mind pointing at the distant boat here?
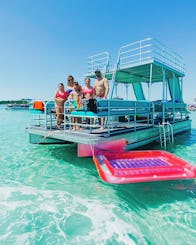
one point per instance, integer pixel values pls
(192, 107)
(17, 106)
(22, 104)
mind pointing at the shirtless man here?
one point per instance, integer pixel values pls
(101, 86)
(101, 89)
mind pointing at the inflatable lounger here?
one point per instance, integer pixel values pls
(141, 166)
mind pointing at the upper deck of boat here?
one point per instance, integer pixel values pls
(139, 62)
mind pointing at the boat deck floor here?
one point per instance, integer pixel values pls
(84, 135)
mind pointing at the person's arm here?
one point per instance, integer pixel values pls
(94, 90)
(106, 85)
(55, 96)
(56, 99)
(71, 96)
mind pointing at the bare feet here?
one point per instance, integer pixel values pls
(58, 127)
(102, 128)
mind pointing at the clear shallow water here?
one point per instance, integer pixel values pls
(49, 196)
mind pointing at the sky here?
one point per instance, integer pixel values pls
(44, 41)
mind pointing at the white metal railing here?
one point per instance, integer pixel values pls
(133, 114)
(149, 50)
(98, 62)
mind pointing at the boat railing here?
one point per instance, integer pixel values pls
(45, 118)
(100, 61)
(149, 50)
(170, 111)
(116, 113)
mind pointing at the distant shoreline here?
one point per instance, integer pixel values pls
(13, 102)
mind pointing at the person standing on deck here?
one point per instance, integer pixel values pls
(101, 89)
(88, 93)
(88, 90)
(60, 97)
(70, 84)
(101, 86)
(76, 95)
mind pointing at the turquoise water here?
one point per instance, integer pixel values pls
(49, 196)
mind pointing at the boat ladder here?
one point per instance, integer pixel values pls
(166, 134)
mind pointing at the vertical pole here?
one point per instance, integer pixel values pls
(166, 88)
(164, 84)
(173, 99)
(114, 76)
(164, 98)
(127, 91)
(173, 87)
(181, 79)
(116, 86)
(150, 83)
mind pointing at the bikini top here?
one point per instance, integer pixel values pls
(62, 95)
(88, 91)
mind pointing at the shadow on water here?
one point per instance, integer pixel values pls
(154, 194)
(68, 154)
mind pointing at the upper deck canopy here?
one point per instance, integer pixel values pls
(137, 61)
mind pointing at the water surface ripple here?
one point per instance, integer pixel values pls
(49, 196)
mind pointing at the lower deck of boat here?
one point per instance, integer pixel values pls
(144, 134)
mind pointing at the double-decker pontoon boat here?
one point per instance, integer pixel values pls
(140, 120)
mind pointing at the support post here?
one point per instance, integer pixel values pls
(173, 88)
(150, 83)
(127, 91)
(164, 84)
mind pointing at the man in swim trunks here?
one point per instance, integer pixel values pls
(101, 88)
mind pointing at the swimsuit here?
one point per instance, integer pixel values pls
(61, 95)
(88, 91)
(69, 91)
(100, 96)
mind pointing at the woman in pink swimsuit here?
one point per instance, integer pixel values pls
(88, 93)
(60, 98)
(88, 90)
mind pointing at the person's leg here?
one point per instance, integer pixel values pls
(78, 120)
(102, 121)
(61, 115)
(58, 115)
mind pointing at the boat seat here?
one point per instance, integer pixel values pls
(113, 107)
(50, 107)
